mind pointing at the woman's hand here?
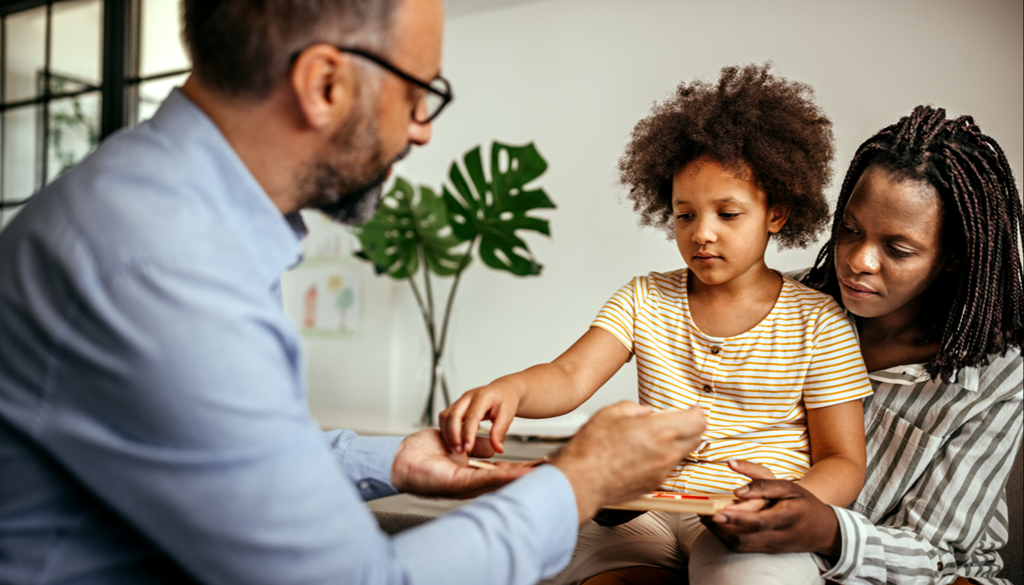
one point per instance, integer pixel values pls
(792, 521)
(459, 422)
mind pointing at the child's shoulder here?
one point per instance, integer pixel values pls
(673, 281)
(796, 292)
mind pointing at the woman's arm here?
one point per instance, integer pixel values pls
(837, 452)
(541, 391)
(946, 523)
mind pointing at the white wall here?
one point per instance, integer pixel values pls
(574, 76)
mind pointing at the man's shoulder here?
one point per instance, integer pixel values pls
(134, 196)
(149, 191)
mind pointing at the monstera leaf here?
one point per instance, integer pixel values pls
(494, 210)
(403, 223)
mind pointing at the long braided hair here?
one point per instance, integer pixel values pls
(976, 310)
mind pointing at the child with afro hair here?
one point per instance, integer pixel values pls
(773, 364)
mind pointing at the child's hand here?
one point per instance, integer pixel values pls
(459, 422)
(753, 471)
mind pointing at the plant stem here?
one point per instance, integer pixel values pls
(430, 301)
(455, 287)
(435, 350)
(428, 317)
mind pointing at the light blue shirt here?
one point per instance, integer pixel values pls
(153, 417)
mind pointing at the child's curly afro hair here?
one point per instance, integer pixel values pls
(750, 121)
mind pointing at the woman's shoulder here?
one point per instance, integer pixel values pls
(1002, 375)
(1000, 379)
(798, 274)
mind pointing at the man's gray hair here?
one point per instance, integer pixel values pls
(244, 48)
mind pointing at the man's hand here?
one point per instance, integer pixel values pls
(624, 451)
(424, 466)
(794, 521)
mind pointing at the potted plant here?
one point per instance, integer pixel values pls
(420, 231)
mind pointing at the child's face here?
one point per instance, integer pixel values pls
(722, 222)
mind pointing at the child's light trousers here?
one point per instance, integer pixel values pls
(667, 540)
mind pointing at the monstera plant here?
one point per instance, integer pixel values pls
(418, 229)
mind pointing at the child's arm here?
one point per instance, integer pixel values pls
(540, 391)
(837, 452)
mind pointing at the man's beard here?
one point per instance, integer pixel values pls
(348, 183)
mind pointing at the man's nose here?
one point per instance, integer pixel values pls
(419, 134)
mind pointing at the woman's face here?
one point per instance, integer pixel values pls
(889, 245)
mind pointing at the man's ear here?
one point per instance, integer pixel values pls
(777, 217)
(323, 80)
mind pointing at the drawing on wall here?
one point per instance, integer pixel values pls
(328, 299)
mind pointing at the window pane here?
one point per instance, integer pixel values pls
(76, 50)
(74, 131)
(153, 93)
(160, 47)
(26, 53)
(20, 172)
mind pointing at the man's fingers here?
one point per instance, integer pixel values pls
(481, 481)
(685, 426)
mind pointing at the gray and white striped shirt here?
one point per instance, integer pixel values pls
(933, 504)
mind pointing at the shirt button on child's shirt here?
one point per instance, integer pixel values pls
(716, 350)
(707, 388)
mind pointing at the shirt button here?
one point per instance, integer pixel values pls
(707, 388)
(364, 485)
(716, 350)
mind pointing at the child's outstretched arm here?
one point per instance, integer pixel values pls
(837, 452)
(541, 391)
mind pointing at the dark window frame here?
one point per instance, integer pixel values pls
(120, 80)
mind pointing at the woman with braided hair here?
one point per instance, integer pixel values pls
(925, 257)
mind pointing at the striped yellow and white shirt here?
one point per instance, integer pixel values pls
(753, 388)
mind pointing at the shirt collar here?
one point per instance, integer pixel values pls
(272, 239)
(908, 374)
(967, 378)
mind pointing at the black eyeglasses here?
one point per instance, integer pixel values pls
(429, 105)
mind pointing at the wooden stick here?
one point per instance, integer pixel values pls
(482, 464)
(677, 502)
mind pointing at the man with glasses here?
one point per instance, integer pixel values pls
(153, 422)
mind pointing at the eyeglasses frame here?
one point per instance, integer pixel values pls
(446, 96)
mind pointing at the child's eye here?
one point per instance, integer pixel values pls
(684, 216)
(848, 229)
(728, 215)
